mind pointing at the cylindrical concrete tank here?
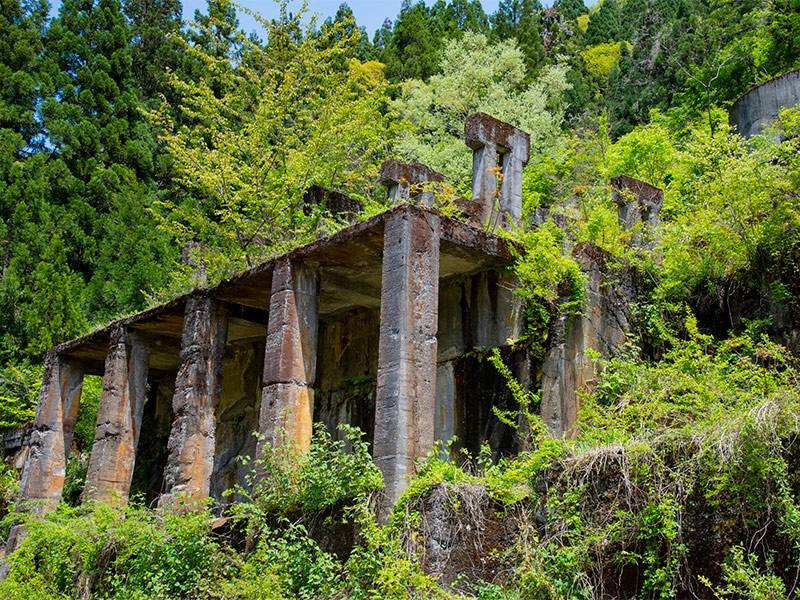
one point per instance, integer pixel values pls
(760, 106)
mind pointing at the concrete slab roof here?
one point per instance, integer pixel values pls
(350, 263)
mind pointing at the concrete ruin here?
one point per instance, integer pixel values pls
(760, 106)
(376, 326)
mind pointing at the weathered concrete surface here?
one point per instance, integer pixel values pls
(401, 179)
(406, 388)
(638, 206)
(152, 453)
(478, 311)
(237, 416)
(496, 144)
(604, 327)
(347, 372)
(760, 106)
(53, 428)
(337, 204)
(197, 393)
(119, 417)
(50, 441)
(197, 340)
(15, 444)
(290, 357)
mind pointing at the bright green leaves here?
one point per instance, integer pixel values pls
(476, 76)
(259, 132)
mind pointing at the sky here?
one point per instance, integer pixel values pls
(368, 13)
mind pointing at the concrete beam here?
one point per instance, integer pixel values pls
(496, 144)
(197, 393)
(290, 357)
(119, 417)
(406, 387)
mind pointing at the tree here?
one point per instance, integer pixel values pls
(476, 76)
(458, 16)
(107, 155)
(154, 24)
(605, 26)
(21, 43)
(416, 41)
(518, 19)
(343, 27)
(783, 30)
(287, 117)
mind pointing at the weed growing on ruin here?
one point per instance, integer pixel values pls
(288, 481)
(546, 273)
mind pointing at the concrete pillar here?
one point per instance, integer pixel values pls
(51, 439)
(484, 182)
(290, 357)
(489, 139)
(406, 389)
(197, 392)
(399, 177)
(119, 417)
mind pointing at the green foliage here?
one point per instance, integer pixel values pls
(292, 564)
(601, 58)
(87, 412)
(476, 76)
(9, 487)
(19, 392)
(258, 132)
(745, 579)
(287, 480)
(646, 153)
(735, 212)
(114, 552)
(543, 270)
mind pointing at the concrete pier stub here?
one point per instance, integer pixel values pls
(290, 356)
(197, 393)
(638, 207)
(406, 386)
(399, 178)
(119, 417)
(497, 144)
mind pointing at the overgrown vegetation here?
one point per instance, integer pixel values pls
(127, 138)
(681, 481)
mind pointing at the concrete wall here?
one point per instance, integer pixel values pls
(760, 106)
(151, 455)
(237, 416)
(477, 313)
(347, 369)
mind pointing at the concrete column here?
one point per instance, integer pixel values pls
(197, 392)
(511, 189)
(119, 417)
(290, 357)
(53, 428)
(484, 183)
(406, 390)
(399, 177)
